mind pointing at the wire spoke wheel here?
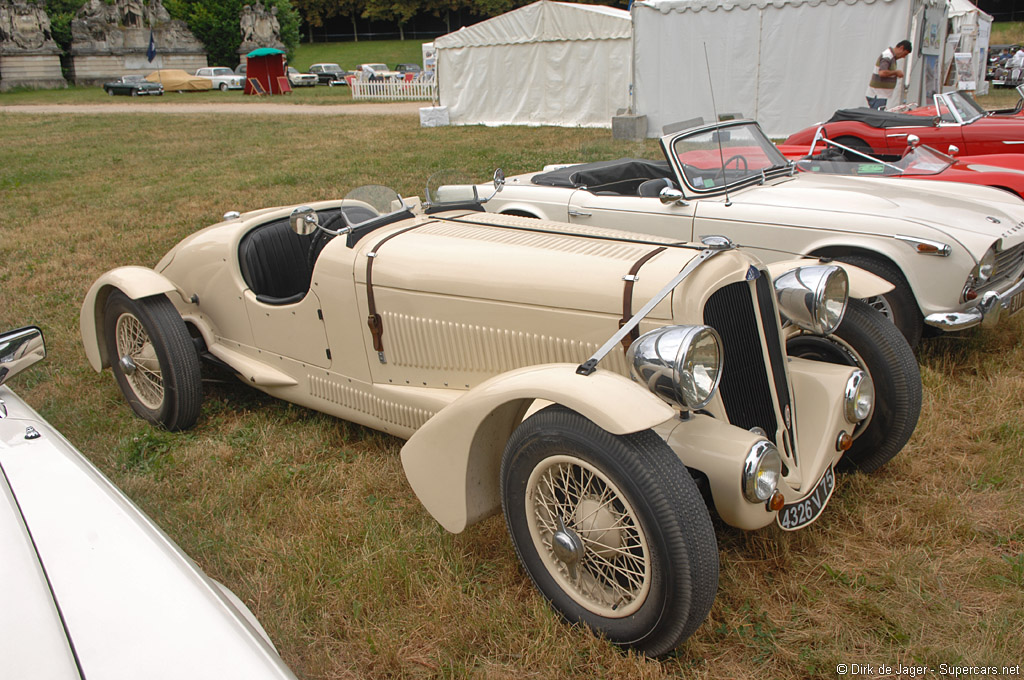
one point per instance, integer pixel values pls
(153, 359)
(588, 536)
(611, 529)
(139, 361)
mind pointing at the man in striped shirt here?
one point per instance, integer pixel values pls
(883, 78)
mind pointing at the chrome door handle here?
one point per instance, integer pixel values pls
(578, 213)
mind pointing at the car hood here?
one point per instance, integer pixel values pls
(134, 604)
(972, 215)
(523, 262)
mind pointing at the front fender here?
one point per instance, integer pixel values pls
(136, 283)
(453, 461)
(863, 284)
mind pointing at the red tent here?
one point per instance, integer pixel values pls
(265, 67)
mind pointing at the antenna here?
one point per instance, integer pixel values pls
(714, 109)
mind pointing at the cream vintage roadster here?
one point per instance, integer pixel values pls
(503, 348)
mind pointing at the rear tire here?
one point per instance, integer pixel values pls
(869, 341)
(153, 359)
(611, 529)
(899, 304)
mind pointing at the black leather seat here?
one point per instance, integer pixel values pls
(275, 263)
(652, 187)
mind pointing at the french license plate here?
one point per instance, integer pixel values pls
(1016, 302)
(797, 515)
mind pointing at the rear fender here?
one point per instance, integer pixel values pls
(863, 284)
(453, 461)
(136, 283)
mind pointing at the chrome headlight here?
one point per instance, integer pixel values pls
(762, 469)
(986, 266)
(814, 298)
(680, 364)
(859, 397)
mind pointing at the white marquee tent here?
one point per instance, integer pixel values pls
(786, 63)
(548, 63)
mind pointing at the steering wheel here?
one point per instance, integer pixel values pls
(321, 238)
(725, 165)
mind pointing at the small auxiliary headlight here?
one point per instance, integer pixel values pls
(762, 470)
(859, 396)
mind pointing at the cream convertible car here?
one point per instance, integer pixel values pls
(493, 344)
(953, 252)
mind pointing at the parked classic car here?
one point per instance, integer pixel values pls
(133, 85)
(176, 80)
(222, 78)
(91, 587)
(493, 344)
(330, 74)
(298, 79)
(409, 68)
(955, 119)
(376, 72)
(919, 161)
(953, 252)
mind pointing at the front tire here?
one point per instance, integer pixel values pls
(898, 305)
(223, 87)
(611, 529)
(153, 359)
(869, 341)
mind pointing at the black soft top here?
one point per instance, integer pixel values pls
(882, 119)
(614, 176)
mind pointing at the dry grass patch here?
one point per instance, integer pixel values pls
(310, 520)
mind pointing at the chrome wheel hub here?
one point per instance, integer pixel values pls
(127, 365)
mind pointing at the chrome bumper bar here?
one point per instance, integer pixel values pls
(986, 312)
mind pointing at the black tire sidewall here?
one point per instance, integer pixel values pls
(880, 349)
(669, 603)
(906, 313)
(166, 415)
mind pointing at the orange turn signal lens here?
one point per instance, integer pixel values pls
(777, 501)
(844, 442)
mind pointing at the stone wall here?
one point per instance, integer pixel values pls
(28, 55)
(110, 40)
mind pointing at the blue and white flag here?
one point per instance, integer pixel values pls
(151, 52)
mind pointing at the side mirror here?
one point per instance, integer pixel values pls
(499, 180)
(304, 220)
(20, 349)
(953, 150)
(913, 141)
(670, 196)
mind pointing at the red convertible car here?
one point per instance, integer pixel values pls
(961, 122)
(919, 161)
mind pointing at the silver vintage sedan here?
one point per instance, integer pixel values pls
(90, 586)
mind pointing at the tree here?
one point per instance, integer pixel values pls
(398, 11)
(215, 24)
(61, 12)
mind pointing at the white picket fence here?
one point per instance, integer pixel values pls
(394, 90)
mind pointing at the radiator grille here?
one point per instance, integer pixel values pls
(1009, 265)
(745, 387)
